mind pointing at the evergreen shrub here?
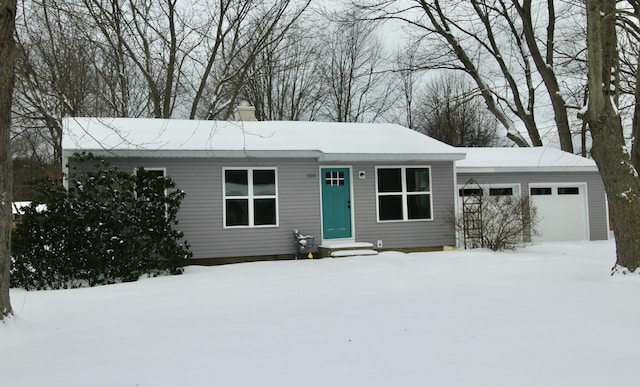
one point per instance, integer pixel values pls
(109, 226)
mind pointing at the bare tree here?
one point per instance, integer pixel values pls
(285, 80)
(408, 82)
(154, 36)
(138, 58)
(544, 61)
(7, 62)
(629, 70)
(451, 111)
(498, 44)
(358, 87)
(55, 77)
(264, 26)
(609, 150)
(494, 222)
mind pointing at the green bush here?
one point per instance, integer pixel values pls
(109, 226)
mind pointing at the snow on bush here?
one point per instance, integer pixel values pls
(109, 226)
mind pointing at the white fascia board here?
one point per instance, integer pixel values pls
(316, 154)
(523, 169)
(145, 153)
(400, 157)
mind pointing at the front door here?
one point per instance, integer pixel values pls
(336, 203)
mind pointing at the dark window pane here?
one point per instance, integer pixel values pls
(568, 191)
(237, 212)
(470, 192)
(148, 184)
(264, 182)
(150, 173)
(500, 191)
(264, 211)
(418, 180)
(334, 179)
(541, 191)
(419, 206)
(236, 183)
(390, 207)
(330, 178)
(390, 180)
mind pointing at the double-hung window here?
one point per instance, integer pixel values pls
(403, 193)
(250, 197)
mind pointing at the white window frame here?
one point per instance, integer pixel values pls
(486, 188)
(164, 170)
(250, 197)
(164, 174)
(516, 188)
(404, 193)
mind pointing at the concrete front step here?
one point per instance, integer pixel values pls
(345, 249)
(352, 253)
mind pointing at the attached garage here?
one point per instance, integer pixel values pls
(566, 189)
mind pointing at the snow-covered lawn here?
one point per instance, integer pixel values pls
(546, 315)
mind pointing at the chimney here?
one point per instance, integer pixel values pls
(245, 112)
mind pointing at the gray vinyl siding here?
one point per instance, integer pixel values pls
(412, 234)
(201, 212)
(598, 219)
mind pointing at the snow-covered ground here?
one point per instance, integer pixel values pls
(546, 315)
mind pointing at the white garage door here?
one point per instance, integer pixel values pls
(562, 210)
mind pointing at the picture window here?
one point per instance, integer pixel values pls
(250, 197)
(404, 193)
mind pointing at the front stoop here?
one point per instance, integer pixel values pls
(346, 249)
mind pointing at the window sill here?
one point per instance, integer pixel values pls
(405, 221)
(250, 227)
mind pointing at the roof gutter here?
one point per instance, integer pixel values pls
(315, 154)
(525, 169)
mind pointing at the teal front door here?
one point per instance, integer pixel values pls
(336, 203)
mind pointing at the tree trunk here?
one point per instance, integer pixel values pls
(544, 65)
(7, 63)
(440, 26)
(622, 187)
(635, 128)
(609, 150)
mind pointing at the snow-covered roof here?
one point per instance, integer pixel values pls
(327, 141)
(536, 159)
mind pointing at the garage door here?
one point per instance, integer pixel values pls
(562, 210)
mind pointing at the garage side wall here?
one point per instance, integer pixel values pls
(596, 200)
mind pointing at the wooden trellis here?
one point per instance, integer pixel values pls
(472, 224)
